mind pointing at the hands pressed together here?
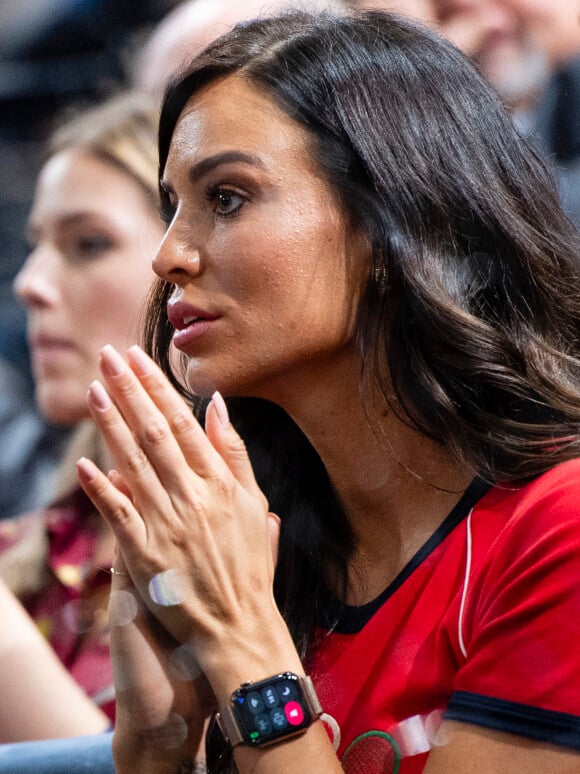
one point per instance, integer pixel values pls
(192, 607)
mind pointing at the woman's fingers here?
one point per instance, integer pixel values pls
(116, 507)
(119, 482)
(156, 430)
(160, 419)
(132, 462)
(274, 533)
(228, 443)
(167, 430)
(183, 504)
(144, 443)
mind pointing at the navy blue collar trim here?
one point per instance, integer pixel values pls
(354, 618)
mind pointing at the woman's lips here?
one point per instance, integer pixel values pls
(190, 322)
(181, 339)
(46, 350)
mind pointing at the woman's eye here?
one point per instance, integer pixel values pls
(225, 202)
(91, 246)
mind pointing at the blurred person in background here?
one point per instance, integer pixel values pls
(422, 10)
(193, 24)
(92, 230)
(530, 51)
(52, 54)
(518, 44)
(29, 446)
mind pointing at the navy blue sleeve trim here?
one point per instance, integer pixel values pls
(543, 725)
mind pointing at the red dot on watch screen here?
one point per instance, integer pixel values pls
(294, 713)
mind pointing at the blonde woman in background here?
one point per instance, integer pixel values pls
(92, 230)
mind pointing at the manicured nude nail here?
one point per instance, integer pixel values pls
(112, 363)
(85, 470)
(99, 396)
(139, 361)
(221, 409)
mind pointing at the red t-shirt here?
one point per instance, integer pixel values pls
(482, 626)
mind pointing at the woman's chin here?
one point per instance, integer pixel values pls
(202, 381)
(199, 382)
(59, 409)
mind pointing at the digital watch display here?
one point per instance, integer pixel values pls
(269, 711)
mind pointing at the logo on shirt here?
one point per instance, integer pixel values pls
(374, 752)
(381, 752)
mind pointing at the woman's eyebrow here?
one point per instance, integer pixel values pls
(208, 164)
(67, 220)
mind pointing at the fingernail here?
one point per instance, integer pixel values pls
(221, 409)
(99, 396)
(112, 363)
(139, 361)
(85, 470)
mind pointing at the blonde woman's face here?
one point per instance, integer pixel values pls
(92, 233)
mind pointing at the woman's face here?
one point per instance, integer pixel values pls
(92, 233)
(267, 271)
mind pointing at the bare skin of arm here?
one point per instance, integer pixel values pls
(468, 749)
(40, 700)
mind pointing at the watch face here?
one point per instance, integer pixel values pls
(271, 709)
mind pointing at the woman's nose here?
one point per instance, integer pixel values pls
(177, 261)
(35, 284)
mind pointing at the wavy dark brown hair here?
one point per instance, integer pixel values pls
(469, 326)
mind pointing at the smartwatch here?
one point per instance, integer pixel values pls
(269, 711)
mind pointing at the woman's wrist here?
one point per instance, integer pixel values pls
(250, 657)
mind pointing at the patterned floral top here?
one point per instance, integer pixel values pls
(69, 602)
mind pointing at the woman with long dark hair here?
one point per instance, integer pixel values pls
(371, 266)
